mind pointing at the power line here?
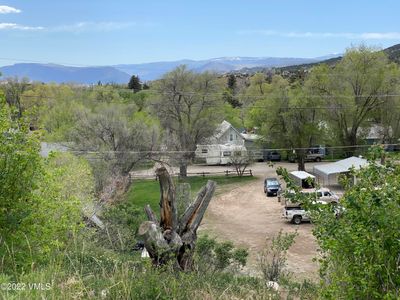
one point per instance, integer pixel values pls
(239, 96)
(328, 107)
(251, 150)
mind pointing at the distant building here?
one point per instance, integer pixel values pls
(226, 134)
(226, 141)
(46, 148)
(376, 134)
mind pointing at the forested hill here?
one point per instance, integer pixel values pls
(393, 53)
(65, 74)
(145, 71)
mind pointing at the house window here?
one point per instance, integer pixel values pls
(231, 137)
(204, 150)
(226, 153)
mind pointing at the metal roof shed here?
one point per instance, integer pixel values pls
(302, 174)
(328, 172)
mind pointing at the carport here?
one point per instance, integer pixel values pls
(328, 174)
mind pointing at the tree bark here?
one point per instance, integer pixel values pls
(300, 160)
(174, 239)
(168, 210)
(150, 214)
(183, 170)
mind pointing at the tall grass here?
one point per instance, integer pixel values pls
(84, 271)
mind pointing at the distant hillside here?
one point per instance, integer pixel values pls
(393, 53)
(64, 74)
(151, 71)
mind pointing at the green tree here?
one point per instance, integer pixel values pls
(288, 118)
(360, 239)
(120, 138)
(104, 94)
(13, 90)
(232, 82)
(354, 89)
(41, 201)
(188, 111)
(229, 95)
(258, 81)
(134, 84)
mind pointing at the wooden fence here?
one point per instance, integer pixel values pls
(192, 174)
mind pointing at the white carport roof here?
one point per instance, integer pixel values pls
(341, 166)
(302, 174)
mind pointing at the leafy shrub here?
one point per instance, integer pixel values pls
(272, 260)
(212, 256)
(122, 221)
(41, 200)
(361, 248)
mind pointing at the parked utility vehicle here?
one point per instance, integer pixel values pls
(320, 195)
(295, 214)
(313, 154)
(271, 186)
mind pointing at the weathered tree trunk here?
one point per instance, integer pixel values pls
(183, 170)
(351, 141)
(300, 160)
(174, 239)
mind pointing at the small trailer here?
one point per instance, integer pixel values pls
(303, 179)
(218, 154)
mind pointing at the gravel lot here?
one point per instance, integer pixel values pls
(245, 216)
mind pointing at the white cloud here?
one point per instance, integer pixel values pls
(345, 35)
(381, 35)
(76, 27)
(93, 26)
(14, 26)
(8, 10)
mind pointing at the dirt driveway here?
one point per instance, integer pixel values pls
(245, 216)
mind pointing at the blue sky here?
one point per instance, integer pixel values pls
(99, 32)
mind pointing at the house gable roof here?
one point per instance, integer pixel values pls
(224, 127)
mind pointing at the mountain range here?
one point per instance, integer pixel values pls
(146, 71)
(154, 70)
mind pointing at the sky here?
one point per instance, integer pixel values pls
(100, 32)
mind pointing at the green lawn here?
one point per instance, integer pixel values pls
(145, 192)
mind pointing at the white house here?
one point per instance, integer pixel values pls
(226, 141)
(226, 134)
(376, 134)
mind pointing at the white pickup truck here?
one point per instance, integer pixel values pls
(294, 213)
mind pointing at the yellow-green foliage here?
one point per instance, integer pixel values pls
(41, 200)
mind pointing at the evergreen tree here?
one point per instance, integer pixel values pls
(232, 83)
(229, 93)
(134, 84)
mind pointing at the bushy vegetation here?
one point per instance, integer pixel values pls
(86, 272)
(359, 238)
(272, 260)
(41, 200)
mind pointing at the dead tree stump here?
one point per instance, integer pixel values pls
(173, 238)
